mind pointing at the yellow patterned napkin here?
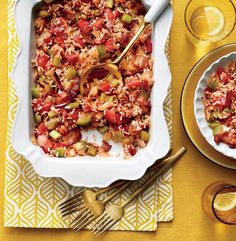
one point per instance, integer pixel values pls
(32, 201)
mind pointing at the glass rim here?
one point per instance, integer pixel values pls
(203, 40)
(213, 200)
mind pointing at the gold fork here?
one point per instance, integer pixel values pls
(94, 209)
(77, 202)
(114, 213)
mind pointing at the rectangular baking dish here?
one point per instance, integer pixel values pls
(88, 171)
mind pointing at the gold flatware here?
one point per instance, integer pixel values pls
(154, 12)
(114, 213)
(77, 202)
(93, 209)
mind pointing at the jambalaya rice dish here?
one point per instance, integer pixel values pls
(71, 36)
(220, 104)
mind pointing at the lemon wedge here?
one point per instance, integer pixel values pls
(225, 201)
(215, 19)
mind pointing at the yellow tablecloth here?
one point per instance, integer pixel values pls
(191, 175)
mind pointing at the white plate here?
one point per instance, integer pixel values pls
(88, 171)
(199, 107)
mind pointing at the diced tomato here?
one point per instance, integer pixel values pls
(72, 59)
(47, 106)
(149, 45)
(132, 150)
(110, 116)
(74, 115)
(59, 40)
(84, 26)
(59, 25)
(118, 119)
(62, 99)
(116, 14)
(47, 40)
(79, 40)
(109, 14)
(48, 146)
(105, 147)
(105, 87)
(42, 61)
(223, 75)
(70, 15)
(134, 84)
(98, 24)
(36, 104)
(42, 128)
(72, 137)
(230, 97)
(146, 85)
(110, 45)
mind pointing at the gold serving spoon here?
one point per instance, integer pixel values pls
(154, 12)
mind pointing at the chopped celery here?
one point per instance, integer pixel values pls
(145, 136)
(214, 83)
(71, 73)
(110, 4)
(109, 99)
(35, 92)
(213, 124)
(55, 134)
(101, 50)
(115, 82)
(60, 152)
(43, 14)
(51, 114)
(110, 78)
(38, 118)
(92, 150)
(103, 97)
(126, 18)
(52, 124)
(49, 51)
(56, 61)
(80, 146)
(118, 136)
(84, 119)
(103, 129)
(72, 105)
(96, 12)
(218, 130)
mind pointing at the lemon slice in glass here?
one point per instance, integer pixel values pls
(215, 20)
(225, 201)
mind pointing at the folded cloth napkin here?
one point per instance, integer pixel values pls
(32, 201)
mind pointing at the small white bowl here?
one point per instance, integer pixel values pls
(199, 107)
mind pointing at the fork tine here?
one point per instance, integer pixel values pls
(80, 219)
(103, 225)
(98, 221)
(85, 223)
(71, 202)
(70, 211)
(78, 194)
(109, 225)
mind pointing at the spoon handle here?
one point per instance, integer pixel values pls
(158, 6)
(156, 9)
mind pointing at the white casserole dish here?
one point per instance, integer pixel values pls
(202, 123)
(88, 171)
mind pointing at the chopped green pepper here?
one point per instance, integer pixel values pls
(214, 83)
(92, 150)
(103, 129)
(84, 119)
(103, 97)
(35, 92)
(44, 14)
(38, 118)
(214, 124)
(80, 146)
(73, 105)
(126, 18)
(110, 4)
(51, 114)
(52, 124)
(117, 136)
(101, 50)
(71, 73)
(145, 136)
(60, 152)
(55, 134)
(115, 82)
(218, 130)
(56, 61)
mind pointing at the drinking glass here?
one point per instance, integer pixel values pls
(209, 21)
(219, 202)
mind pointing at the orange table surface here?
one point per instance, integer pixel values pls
(191, 174)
